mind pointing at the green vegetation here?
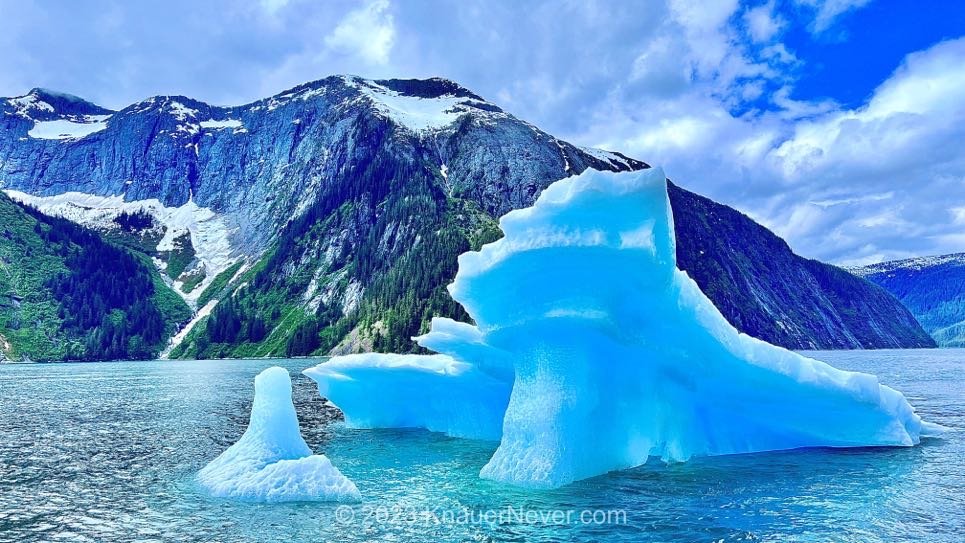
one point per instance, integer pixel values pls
(369, 260)
(136, 231)
(933, 289)
(66, 294)
(191, 279)
(179, 258)
(218, 285)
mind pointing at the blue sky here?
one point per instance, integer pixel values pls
(839, 124)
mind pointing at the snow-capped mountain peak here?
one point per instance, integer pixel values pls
(56, 115)
(330, 186)
(43, 105)
(933, 289)
(917, 263)
(434, 106)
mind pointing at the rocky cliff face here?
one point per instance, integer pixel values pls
(330, 215)
(257, 166)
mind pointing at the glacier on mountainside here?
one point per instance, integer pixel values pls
(597, 353)
(271, 462)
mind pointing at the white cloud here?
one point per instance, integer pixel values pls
(273, 6)
(778, 53)
(905, 140)
(702, 88)
(762, 23)
(923, 99)
(826, 11)
(367, 32)
(840, 184)
(845, 201)
(658, 68)
(958, 215)
(703, 29)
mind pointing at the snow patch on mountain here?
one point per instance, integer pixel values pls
(280, 100)
(566, 159)
(607, 156)
(180, 111)
(66, 129)
(187, 117)
(216, 125)
(209, 232)
(416, 113)
(26, 105)
(183, 332)
(917, 264)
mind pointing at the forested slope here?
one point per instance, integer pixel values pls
(66, 294)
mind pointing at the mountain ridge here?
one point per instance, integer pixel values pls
(933, 289)
(310, 212)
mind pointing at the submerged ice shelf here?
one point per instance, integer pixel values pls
(592, 352)
(271, 462)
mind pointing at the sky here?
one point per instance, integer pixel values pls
(838, 124)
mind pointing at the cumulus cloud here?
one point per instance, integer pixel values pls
(905, 139)
(368, 32)
(848, 185)
(704, 88)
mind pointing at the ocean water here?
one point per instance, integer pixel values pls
(107, 452)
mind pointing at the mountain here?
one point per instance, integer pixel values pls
(66, 294)
(933, 288)
(767, 291)
(329, 217)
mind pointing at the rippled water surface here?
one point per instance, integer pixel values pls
(107, 452)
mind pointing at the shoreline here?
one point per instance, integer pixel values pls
(321, 357)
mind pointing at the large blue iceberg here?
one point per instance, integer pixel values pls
(592, 352)
(271, 462)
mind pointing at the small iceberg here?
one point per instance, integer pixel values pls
(593, 352)
(271, 462)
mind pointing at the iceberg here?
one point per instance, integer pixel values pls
(271, 462)
(596, 353)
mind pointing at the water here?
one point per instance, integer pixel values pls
(107, 452)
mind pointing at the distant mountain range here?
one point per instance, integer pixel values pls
(933, 288)
(328, 218)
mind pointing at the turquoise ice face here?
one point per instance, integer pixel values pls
(608, 354)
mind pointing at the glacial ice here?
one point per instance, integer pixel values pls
(435, 392)
(271, 462)
(595, 352)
